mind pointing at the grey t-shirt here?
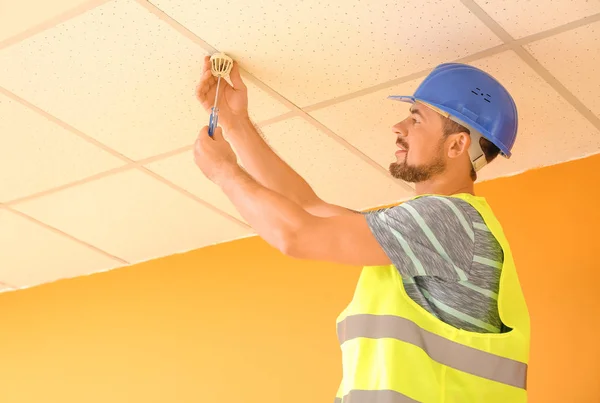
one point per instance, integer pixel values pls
(449, 261)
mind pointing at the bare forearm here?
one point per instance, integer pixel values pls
(274, 217)
(265, 165)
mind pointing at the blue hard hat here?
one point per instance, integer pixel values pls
(472, 97)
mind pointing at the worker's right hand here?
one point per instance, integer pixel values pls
(233, 100)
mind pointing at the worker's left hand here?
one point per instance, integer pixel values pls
(214, 156)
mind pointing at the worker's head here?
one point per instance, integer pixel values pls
(461, 118)
(429, 144)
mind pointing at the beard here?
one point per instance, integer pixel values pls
(417, 173)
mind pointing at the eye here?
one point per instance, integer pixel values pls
(415, 121)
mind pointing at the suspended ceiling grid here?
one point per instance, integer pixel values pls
(98, 116)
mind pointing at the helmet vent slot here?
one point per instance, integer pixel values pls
(485, 96)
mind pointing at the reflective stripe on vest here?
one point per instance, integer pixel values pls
(374, 396)
(440, 349)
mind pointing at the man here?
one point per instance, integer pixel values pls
(438, 314)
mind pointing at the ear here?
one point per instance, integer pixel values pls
(458, 144)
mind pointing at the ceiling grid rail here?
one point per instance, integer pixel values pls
(510, 44)
(517, 47)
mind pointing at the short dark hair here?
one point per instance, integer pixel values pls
(489, 149)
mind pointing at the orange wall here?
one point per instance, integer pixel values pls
(239, 322)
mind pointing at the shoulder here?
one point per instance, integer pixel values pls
(432, 220)
(453, 210)
(428, 235)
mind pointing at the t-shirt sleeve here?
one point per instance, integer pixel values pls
(426, 236)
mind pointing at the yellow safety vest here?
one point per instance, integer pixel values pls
(394, 351)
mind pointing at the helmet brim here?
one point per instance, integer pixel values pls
(403, 98)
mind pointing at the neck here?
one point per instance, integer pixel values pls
(446, 185)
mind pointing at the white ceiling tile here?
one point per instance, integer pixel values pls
(366, 121)
(32, 254)
(522, 18)
(544, 118)
(262, 106)
(37, 154)
(119, 74)
(310, 51)
(133, 216)
(573, 58)
(24, 14)
(182, 171)
(336, 175)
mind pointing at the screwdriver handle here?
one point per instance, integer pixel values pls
(214, 118)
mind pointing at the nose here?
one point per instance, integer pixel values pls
(399, 129)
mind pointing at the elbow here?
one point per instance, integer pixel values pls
(289, 245)
(293, 238)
